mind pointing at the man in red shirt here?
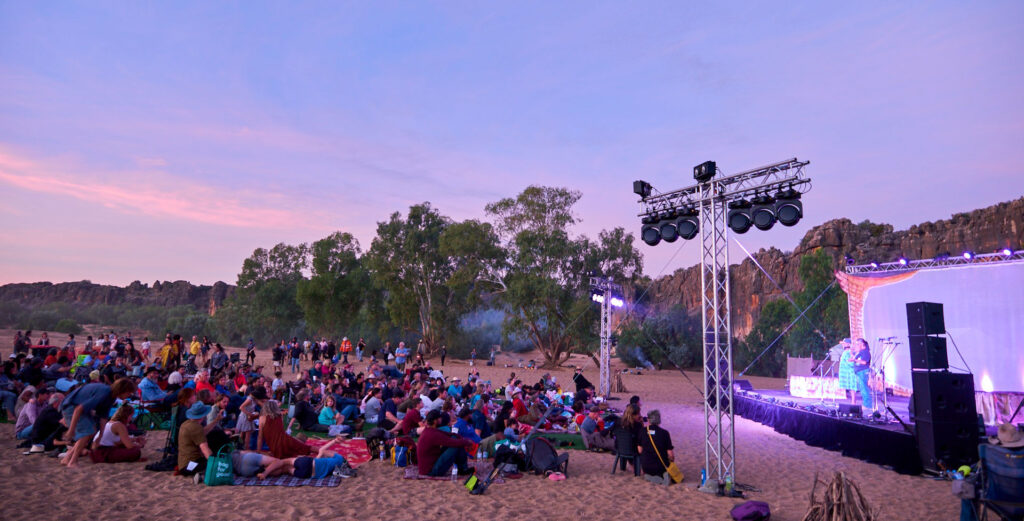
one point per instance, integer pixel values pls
(437, 450)
(518, 405)
(203, 382)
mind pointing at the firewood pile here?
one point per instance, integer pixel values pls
(841, 500)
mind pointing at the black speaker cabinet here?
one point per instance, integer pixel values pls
(941, 396)
(946, 444)
(928, 353)
(925, 318)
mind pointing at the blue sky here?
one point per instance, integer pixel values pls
(168, 140)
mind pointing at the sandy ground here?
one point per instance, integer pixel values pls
(781, 468)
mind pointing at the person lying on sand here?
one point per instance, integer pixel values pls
(322, 466)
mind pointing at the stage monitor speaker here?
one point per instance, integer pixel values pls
(946, 444)
(846, 409)
(925, 318)
(941, 396)
(928, 353)
(742, 385)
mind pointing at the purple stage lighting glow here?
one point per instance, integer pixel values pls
(874, 264)
(968, 255)
(617, 302)
(903, 261)
(597, 298)
(1007, 252)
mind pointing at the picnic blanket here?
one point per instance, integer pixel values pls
(288, 481)
(354, 450)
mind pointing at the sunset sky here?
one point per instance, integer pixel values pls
(167, 140)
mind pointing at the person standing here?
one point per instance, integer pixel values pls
(444, 354)
(862, 370)
(401, 354)
(472, 357)
(360, 349)
(346, 348)
(296, 354)
(847, 379)
(250, 352)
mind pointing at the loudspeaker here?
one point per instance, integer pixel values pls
(928, 352)
(941, 396)
(846, 409)
(946, 444)
(925, 318)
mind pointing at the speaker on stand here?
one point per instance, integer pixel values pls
(945, 415)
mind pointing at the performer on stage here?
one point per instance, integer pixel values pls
(847, 380)
(862, 368)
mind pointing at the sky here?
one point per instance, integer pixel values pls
(167, 140)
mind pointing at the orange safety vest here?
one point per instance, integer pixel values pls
(346, 346)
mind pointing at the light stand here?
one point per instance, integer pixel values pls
(603, 292)
(711, 199)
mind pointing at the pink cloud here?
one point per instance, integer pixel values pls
(153, 193)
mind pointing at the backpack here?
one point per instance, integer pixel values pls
(541, 456)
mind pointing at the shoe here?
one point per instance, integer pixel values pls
(197, 478)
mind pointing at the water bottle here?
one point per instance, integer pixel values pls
(383, 452)
(728, 485)
(455, 473)
(703, 476)
(479, 459)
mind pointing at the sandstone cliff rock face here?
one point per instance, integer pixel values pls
(168, 294)
(982, 231)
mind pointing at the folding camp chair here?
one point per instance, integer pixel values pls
(541, 457)
(625, 451)
(1002, 482)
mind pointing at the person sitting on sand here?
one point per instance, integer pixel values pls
(595, 437)
(193, 449)
(48, 429)
(437, 451)
(86, 410)
(29, 413)
(151, 391)
(323, 465)
(656, 450)
(463, 428)
(113, 444)
(329, 415)
(306, 414)
(272, 432)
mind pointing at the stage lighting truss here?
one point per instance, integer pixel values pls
(707, 209)
(606, 293)
(1004, 256)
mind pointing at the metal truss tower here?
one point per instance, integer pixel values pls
(606, 289)
(711, 199)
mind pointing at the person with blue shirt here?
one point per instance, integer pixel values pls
(463, 427)
(326, 463)
(151, 391)
(401, 354)
(455, 389)
(862, 370)
(86, 410)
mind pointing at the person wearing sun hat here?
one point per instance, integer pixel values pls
(192, 444)
(1008, 436)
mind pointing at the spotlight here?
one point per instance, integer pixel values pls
(968, 255)
(667, 229)
(596, 295)
(642, 188)
(688, 224)
(903, 261)
(704, 171)
(763, 212)
(874, 264)
(1007, 251)
(789, 210)
(850, 261)
(739, 216)
(617, 302)
(650, 234)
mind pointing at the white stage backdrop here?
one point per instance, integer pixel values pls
(984, 312)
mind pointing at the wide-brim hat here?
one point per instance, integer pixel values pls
(197, 411)
(1008, 436)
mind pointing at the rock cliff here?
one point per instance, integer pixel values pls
(982, 231)
(167, 294)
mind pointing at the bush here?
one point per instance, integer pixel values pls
(67, 325)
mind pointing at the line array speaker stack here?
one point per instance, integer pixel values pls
(946, 423)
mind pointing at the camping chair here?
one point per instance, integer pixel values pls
(1002, 482)
(625, 451)
(541, 456)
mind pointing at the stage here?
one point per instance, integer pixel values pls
(819, 424)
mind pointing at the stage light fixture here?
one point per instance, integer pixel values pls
(874, 264)
(763, 212)
(642, 188)
(850, 261)
(968, 255)
(1007, 251)
(704, 171)
(617, 302)
(688, 224)
(649, 233)
(903, 261)
(788, 208)
(739, 216)
(668, 231)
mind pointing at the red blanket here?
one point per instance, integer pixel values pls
(354, 450)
